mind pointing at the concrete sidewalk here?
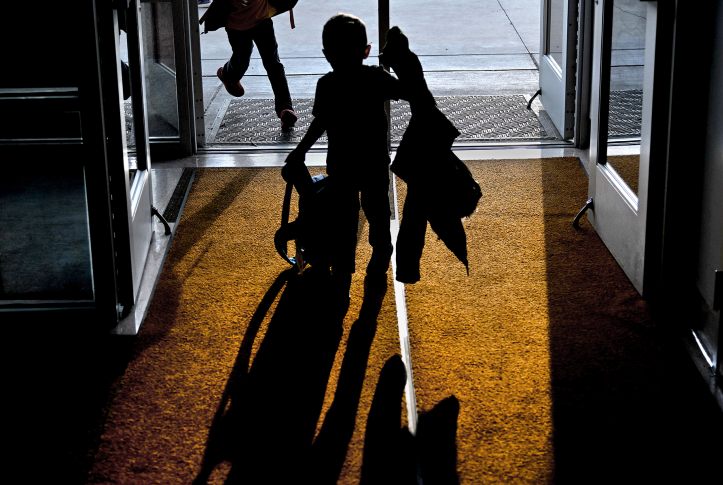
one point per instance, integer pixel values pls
(467, 47)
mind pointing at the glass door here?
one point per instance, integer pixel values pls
(174, 97)
(627, 194)
(156, 21)
(558, 54)
(126, 108)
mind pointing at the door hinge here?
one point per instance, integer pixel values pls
(718, 290)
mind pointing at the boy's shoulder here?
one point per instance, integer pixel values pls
(364, 71)
(367, 81)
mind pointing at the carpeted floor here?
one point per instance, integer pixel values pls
(243, 371)
(557, 369)
(542, 366)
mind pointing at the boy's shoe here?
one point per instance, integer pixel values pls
(288, 119)
(233, 89)
(341, 286)
(379, 262)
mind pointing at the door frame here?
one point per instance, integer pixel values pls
(583, 82)
(188, 80)
(130, 201)
(578, 65)
(557, 86)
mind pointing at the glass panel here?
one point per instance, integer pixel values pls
(556, 30)
(626, 84)
(44, 242)
(127, 100)
(128, 68)
(160, 65)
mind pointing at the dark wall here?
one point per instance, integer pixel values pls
(41, 43)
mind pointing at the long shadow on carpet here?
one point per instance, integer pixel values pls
(265, 424)
(200, 221)
(263, 430)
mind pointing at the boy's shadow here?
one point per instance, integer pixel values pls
(391, 454)
(265, 423)
(264, 427)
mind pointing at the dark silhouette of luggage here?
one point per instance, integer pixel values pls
(311, 230)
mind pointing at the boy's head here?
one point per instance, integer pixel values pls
(345, 41)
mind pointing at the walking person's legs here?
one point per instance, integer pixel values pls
(265, 39)
(232, 72)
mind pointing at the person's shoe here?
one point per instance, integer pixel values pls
(341, 286)
(379, 262)
(233, 89)
(288, 119)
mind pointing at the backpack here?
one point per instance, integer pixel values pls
(217, 13)
(310, 230)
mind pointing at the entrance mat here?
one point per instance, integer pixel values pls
(246, 372)
(479, 118)
(544, 365)
(626, 113)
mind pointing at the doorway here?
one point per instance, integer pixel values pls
(480, 60)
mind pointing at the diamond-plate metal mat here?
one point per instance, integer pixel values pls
(626, 113)
(479, 118)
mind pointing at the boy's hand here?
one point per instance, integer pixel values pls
(293, 160)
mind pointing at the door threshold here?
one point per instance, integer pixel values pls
(465, 145)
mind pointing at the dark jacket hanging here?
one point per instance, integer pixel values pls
(440, 188)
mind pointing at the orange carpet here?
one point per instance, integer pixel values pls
(544, 365)
(628, 167)
(243, 372)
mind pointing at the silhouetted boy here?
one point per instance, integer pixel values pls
(349, 106)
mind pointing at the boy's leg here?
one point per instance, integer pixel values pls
(265, 39)
(345, 220)
(375, 203)
(242, 46)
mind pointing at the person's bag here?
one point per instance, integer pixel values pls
(282, 6)
(215, 16)
(311, 229)
(219, 10)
